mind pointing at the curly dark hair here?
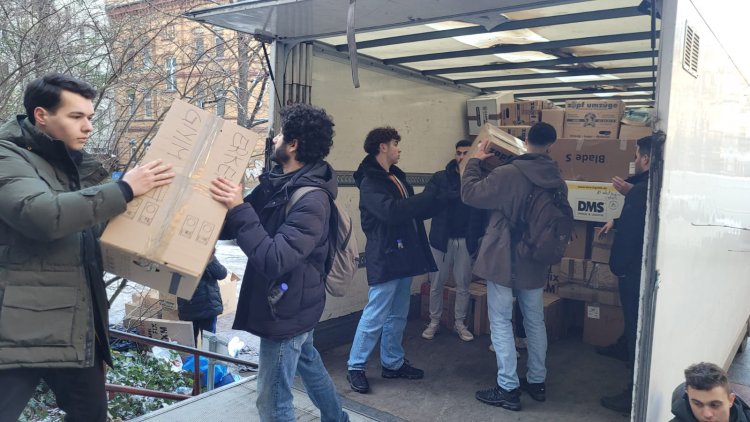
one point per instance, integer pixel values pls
(380, 135)
(311, 127)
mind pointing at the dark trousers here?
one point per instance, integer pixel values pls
(78, 391)
(208, 324)
(630, 291)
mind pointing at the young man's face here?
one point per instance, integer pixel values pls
(391, 150)
(713, 405)
(70, 123)
(461, 153)
(642, 161)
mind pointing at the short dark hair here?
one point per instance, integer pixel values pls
(463, 143)
(541, 134)
(644, 145)
(311, 127)
(380, 135)
(706, 376)
(45, 92)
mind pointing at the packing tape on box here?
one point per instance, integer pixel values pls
(157, 245)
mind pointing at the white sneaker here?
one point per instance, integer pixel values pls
(431, 330)
(463, 332)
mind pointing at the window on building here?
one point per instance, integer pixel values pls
(221, 101)
(147, 62)
(148, 106)
(200, 96)
(171, 73)
(219, 43)
(131, 102)
(169, 32)
(200, 47)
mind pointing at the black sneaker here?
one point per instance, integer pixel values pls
(615, 350)
(620, 402)
(537, 390)
(358, 381)
(497, 396)
(405, 371)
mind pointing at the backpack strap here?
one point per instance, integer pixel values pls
(296, 195)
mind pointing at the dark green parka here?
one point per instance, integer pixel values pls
(53, 304)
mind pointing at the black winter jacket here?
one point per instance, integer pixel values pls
(282, 248)
(206, 301)
(397, 244)
(452, 214)
(627, 247)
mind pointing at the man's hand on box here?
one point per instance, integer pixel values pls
(606, 229)
(226, 192)
(621, 185)
(481, 151)
(148, 176)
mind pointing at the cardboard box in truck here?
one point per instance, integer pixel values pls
(568, 290)
(166, 237)
(593, 118)
(594, 160)
(602, 324)
(556, 118)
(519, 132)
(523, 112)
(634, 132)
(594, 201)
(500, 143)
(485, 109)
(601, 247)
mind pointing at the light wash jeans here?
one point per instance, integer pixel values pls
(456, 256)
(279, 361)
(500, 304)
(386, 311)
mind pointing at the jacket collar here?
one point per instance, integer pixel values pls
(638, 178)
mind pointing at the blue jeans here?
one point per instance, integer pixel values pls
(386, 311)
(500, 304)
(279, 361)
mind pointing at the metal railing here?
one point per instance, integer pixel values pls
(197, 353)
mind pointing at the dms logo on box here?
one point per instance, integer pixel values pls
(590, 206)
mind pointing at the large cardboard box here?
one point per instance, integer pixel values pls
(554, 317)
(553, 279)
(577, 291)
(594, 201)
(602, 324)
(556, 118)
(602, 278)
(601, 247)
(523, 112)
(578, 241)
(161, 329)
(166, 237)
(634, 132)
(485, 109)
(500, 143)
(519, 132)
(594, 160)
(576, 270)
(593, 118)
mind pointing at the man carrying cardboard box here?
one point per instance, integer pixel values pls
(626, 258)
(448, 240)
(283, 291)
(504, 191)
(54, 314)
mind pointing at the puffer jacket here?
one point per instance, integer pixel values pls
(206, 301)
(397, 245)
(53, 303)
(283, 248)
(503, 191)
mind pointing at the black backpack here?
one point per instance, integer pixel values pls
(545, 226)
